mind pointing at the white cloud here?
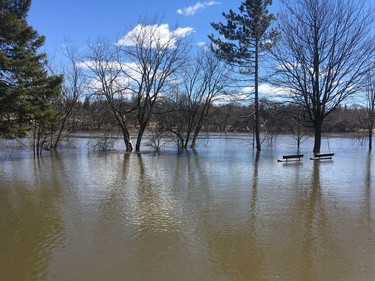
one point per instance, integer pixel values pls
(192, 10)
(244, 94)
(107, 65)
(182, 31)
(267, 89)
(272, 90)
(247, 90)
(151, 35)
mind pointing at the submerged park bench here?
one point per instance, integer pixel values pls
(291, 157)
(323, 156)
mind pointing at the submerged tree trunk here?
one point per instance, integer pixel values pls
(202, 116)
(317, 137)
(126, 137)
(128, 145)
(370, 139)
(139, 139)
(143, 119)
(194, 141)
(298, 142)
(187, 138)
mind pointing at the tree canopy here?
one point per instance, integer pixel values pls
(326, 47)
(25, 85)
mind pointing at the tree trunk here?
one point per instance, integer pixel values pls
(55, 143)
(127, 140)
(187, 139)
(256, 101)
(298, 142)
(370, 139)
(141, 131)
(180, 143)
(128, 145)
(139, 138)
(194, 141)
(317, 137)
(195, 136)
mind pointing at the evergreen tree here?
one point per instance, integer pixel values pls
(25, 86)
(244, 33)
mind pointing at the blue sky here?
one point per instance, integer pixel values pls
(78, 22)
(83, 20)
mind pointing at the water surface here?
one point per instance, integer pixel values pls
(210, 214)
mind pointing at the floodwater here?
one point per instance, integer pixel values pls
(210, 214)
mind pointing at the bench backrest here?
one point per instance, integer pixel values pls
(324, 154)
(292, 156)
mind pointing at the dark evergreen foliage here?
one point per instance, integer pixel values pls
(243, 31)
(25, 86)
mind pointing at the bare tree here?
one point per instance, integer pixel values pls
(153, 54)
(72, 90)
(107, 82)
(207, 81)
(369, 117)
(323, 54)
(202, 81)
(172, 116)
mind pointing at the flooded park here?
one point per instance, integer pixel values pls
(214, 213)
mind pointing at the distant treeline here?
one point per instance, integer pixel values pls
(275, 118)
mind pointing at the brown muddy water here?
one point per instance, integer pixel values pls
(209, 214)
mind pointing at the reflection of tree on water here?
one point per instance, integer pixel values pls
(236, 247)
(315, 247)
(314, 217)
(368, 200)
(153, 219)
(113, 202)
(149, 211)
(31, 224)
(116, 186)
(157, 250)
(366, 223)
(289, 235)
(254, 193)
(193, 187)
